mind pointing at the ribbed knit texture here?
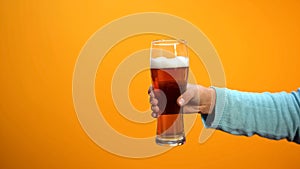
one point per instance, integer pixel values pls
(271, 115)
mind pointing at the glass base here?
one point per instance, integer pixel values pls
(170, 141)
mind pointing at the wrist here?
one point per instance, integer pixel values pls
(207, 100)
(212, 100)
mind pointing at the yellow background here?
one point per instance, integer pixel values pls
(258, 43)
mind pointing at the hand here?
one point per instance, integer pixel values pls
(196, 99)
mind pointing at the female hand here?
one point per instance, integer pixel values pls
(196, 99)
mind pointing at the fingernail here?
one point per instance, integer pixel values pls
(181, 101)
(154, 114)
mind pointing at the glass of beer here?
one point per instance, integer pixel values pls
(169, 64)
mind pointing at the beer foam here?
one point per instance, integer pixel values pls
(163, 62)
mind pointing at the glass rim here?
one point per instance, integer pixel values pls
(168, 42)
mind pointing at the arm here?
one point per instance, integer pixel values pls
(270, 115)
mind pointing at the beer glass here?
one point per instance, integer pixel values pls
(169, 65)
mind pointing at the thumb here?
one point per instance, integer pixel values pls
(185, 98)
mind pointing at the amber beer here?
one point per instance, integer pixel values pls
(169, 80)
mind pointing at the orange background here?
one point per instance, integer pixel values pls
(258, 43)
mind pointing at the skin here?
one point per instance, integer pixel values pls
(196, 99)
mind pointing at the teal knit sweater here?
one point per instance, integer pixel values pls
(271, 115)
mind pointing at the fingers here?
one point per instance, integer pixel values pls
(185, 97)
(150, 89)
(153, 101)
(155, 108)
(189, 100)
(150, 92)
(154, 115)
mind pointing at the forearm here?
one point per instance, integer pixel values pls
(270, 115)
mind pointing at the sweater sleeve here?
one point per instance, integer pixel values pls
(271, 115)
